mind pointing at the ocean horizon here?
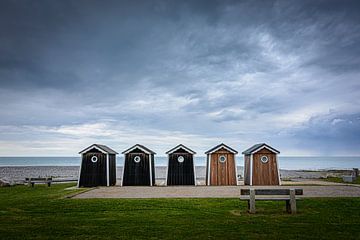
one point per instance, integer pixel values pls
(285, 162)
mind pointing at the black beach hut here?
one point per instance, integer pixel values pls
(181, 168)
(98, 166)
(139, 169)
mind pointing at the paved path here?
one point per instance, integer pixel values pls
(210, 191)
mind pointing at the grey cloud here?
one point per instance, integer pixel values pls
(212, 68)
(330, 134)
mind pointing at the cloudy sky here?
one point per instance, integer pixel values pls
(73, 73)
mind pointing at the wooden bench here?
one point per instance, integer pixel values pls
(31, 181)
(287, 195)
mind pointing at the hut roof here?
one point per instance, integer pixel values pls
(100, 147)
(258, 147)
(141, 147)
(180, 146)
(221, 145)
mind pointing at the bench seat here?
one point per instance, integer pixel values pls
(268, 198)
(31, 181)
(288, 195)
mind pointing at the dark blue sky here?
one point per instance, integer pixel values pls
(161, 73)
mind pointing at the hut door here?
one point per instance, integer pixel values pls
(137, 171)
(93, 170)
(180, 169)
(223, 169)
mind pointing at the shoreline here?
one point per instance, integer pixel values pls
(332, 169)
(19, 173)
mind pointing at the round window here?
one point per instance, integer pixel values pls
(264, 159)
(94, 159)
(180, 159)
(222, 158)
(137, 159)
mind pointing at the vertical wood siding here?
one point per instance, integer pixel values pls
(180, 173)
(93, 174)
(207, 170)
(265, 173)
(153, 168)
(138, 174)
(247, 170)
(112, 169)
(222, 173)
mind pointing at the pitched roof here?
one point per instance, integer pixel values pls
(180, 146)
(221, 145)
(100, 147)
(139, 146)
(258, 147)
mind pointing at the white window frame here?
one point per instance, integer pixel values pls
(264, 161)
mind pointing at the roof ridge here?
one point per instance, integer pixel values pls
(179, 146)
(256, 146)
(218, 146)
(137, 145)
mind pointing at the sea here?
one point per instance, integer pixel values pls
(285, 162)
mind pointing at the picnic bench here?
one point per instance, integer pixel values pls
(287, 195)
(31, 181)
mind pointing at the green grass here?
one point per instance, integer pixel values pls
(340, 180)
(44, 213)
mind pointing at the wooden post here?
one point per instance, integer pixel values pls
(252, 201)
(355, 172)
(288, 209)
(29, 182)
(292, 201)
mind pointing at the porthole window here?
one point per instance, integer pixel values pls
(94, 159)
(264, 159)
(137, 159)
(180, 159)
(222, 158)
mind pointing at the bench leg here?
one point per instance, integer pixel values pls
(292, 201)
(32, 184)
(49, 183)
(288, 209)
(252, 208)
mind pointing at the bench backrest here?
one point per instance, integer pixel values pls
(298, 191)
(39, 179)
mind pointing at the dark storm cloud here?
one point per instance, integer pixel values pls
(339, 134)
(209, 69)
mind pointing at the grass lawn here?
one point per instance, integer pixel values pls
(340, 180)
(44, 213)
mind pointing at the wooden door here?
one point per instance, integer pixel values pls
(265, 173)
(222, 168)
(180, 173)
(136, 171)
(93, 169)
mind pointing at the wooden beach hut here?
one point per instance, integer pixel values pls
(261, 165)
(98, 166)
(139, 169)
(181, 168)
(221, 166)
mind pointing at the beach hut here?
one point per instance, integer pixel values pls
(261, 165)
(181, 168)
(139, 169)
(221, 166)
(98, 166)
